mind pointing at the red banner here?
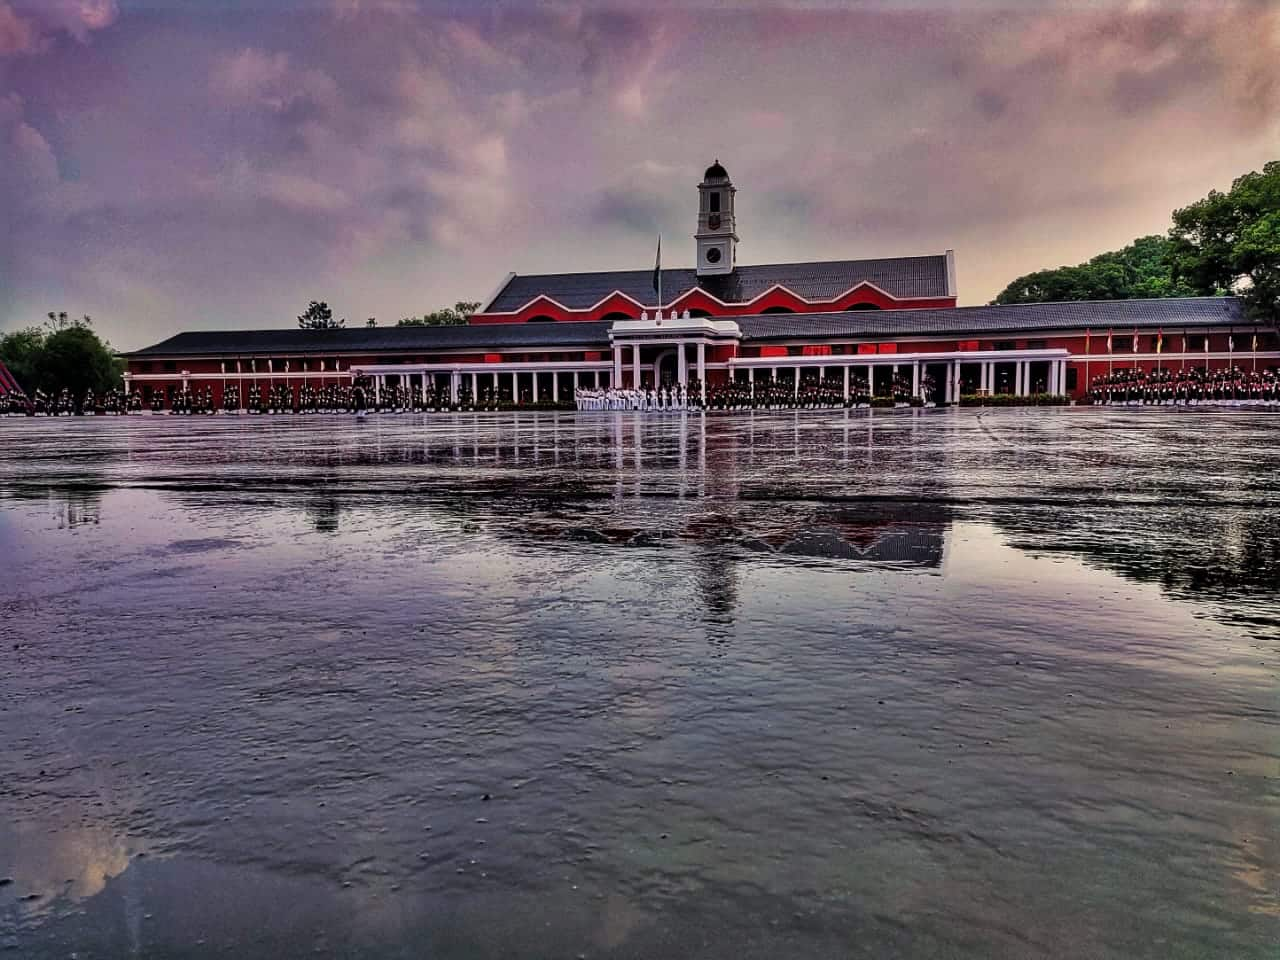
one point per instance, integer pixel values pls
(865, 348)
(773, 351)
(493, 358)
(887, 348)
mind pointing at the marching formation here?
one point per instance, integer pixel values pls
(1187, 387)
(1194, 386)
(664, 398)
(763, 394)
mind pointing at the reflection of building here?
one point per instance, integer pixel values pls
(540, 336)
(906, 543)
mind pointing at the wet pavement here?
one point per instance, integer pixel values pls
(933, 683)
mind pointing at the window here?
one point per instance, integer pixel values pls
(715, 202)
(1071, 379)
(1006, 345)
(1036, 344)
(170, 366)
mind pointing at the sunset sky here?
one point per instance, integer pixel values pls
(185, 164)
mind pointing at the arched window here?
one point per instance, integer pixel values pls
(617, 315)
(777, 310)
(541, 318)
(699, 313)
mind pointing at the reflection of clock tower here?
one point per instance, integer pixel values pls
(716, 236)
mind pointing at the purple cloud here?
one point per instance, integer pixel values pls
(178, 165)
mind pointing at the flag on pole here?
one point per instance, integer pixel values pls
(657, 273)
(1254, 347)
(1108, 341)
(1159, 341)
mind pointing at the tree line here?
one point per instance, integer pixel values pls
(64, 352)
(1226, 243)
(319, 316)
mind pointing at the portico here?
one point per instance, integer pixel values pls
(701, 341)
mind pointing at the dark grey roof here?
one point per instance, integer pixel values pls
(215, 343)
(1099, 315)
(899, 277)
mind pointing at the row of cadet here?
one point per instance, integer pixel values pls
(672, 398)
(1195, 385)
(763, 394)
(64, 404)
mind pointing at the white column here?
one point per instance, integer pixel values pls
(617, 367)
(751, 381)
(702, 370)
(1052, 386)
(453, 386)
(575, 384)
(795, 381)
(475, 388)
(515, 387)
(682, 365)
(534, 375)
(635, 366)
(1017, 378)
(915, 379)
(597, 380)
(846, 381)
(555, 386)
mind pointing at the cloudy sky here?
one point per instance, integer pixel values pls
(180, 164)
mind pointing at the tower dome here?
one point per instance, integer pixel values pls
(717, 235)
(716, 172)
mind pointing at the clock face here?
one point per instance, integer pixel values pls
(713, 255)
(713, 221)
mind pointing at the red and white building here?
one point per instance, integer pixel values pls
(540, 336)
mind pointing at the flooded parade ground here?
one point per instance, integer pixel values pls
(931, 683)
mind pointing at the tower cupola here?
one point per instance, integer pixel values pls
(717, 236)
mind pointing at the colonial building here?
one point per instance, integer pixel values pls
(537, 337)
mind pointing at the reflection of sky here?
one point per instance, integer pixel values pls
(261, 699)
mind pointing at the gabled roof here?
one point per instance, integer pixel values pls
(900, 277)
(1098, 315)
(232, 343)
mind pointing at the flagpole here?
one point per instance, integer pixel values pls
(658, 270)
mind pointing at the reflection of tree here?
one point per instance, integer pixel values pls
(76, 502)
(1207, 550)
(324, 514)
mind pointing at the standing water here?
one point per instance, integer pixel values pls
(943, 684)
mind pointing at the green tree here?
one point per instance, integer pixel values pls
(459, 313)
(20, 352)
(1142, 269)
(318, 316)
(76, 358)
(1231, 242)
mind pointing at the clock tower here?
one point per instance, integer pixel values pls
(717, 237)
